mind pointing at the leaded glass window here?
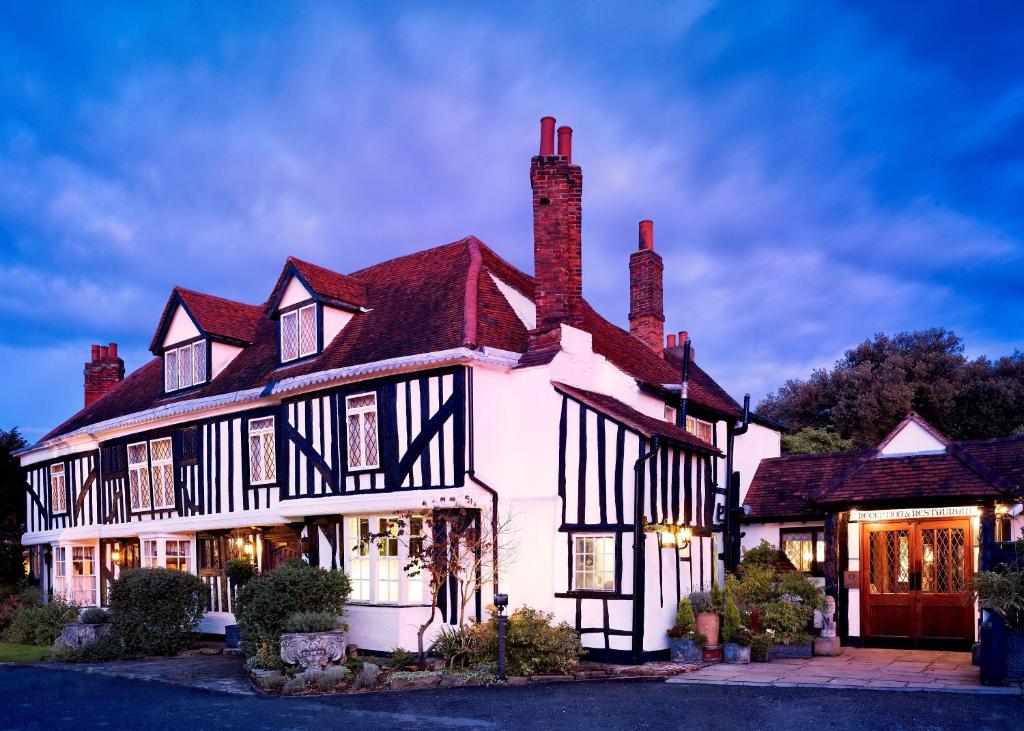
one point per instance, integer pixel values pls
(185, 366)
(138, 476)
(361, 428)
(594, 563)
(298, 333)
(171, 370)
(262, 452)
(162, 472)
(58, 493)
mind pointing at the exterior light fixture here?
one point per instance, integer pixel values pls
(1002, 509)
(501, 603)
(671, 535)
(249, 548)
(115, 556)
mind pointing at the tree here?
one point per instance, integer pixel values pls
(873, 386)
(458, 541)
(12, 508)
(813, 439)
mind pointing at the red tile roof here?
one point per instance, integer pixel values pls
(649, 426)
(413, 304)
(218, 317)
(803, 485)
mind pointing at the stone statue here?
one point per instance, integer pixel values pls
(828, 619)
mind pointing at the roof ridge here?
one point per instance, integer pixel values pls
(471, 296)
(188, 290)
(845, 474)
(978, 466)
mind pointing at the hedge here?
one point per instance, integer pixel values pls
(156, 611)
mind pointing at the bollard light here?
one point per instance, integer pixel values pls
(501, 603)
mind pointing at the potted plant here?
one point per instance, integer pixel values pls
(737, 638)
(238, 572)
(685, 643)
(1002, 592)
(93, 624)
(312, 639)
(707, 620)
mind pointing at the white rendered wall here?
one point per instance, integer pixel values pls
(758, 443)
(754, 533)
(912, 439)
(181, 328)
(294, 292)
(221, 354)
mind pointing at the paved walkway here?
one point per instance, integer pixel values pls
(222, 673)
(878, 669)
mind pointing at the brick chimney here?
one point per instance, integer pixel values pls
(676, 346)
(102, 373)
(646, 297)
(557, 235)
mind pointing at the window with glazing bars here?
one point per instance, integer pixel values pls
(700, 429)
(185, 366)
(359, 558)
(361, 416)
(262, 455)
(162, 472)
(58, 493)
(594, 563)
(138, 476)
(298, 333)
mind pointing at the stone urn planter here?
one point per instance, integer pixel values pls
(314, 650)
(683, 650)
(708, 624)
(77, 634)
(784, 652)
(736, 654)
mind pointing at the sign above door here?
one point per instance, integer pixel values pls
(866, 516)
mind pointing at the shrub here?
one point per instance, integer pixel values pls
(685, 617)
(310, 622)
(104, 649)
(94, 615)
(754, 585)
(156, 611)
(338, 673)
(702, 602)
(267, 655)
(367, 677)
(453, 645)
(731, 621)
(400, 658)
(795, 584)
(763, 555)
(787, 619)
(759, 647)
(272, 682)
(325, 683)
(1002, 592)
(294, 685)
(267, 600)
(42, 624)
(13, 602)
(239, 571)
(533, 645)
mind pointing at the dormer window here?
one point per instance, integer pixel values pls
(298, 333)
(185, 366)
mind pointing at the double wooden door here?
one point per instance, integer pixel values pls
(916, 582)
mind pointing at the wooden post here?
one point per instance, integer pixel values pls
(843, 600)
(831, 567)
(988, 535)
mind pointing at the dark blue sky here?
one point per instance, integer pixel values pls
(817, 171)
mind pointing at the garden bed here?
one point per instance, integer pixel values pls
(336, 681)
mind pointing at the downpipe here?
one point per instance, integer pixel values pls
(639, 548)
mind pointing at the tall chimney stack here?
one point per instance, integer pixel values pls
(104, 371)
(557, 233)
(646, 295)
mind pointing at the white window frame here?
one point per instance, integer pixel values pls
(260, 432)
(694, 426)
(578, 573)
(295, 317)
(58, 488)
(195, 375)
(382, 579)
(151, 467)
(360, 412)
(66, 565)
(154, 552)
(670, 414)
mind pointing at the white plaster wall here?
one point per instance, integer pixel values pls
(221, 354)
(754, 533)
(334, 321)
(181, 328)
(853, 594)
(294, 292)
(911, 439)
(758, 443)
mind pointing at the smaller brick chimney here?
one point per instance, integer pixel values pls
(646, 297)
(102, 373)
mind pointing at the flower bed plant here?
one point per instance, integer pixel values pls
(534, 644)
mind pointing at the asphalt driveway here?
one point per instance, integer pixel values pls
(42, 698)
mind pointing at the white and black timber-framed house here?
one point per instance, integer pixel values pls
(298, 427)
(894, 532)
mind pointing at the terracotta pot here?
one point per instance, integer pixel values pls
(708, 624)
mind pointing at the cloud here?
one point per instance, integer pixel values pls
(795, 203)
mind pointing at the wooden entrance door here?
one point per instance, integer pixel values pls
(915, 582)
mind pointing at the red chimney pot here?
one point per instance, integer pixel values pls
(647, 235)
(565, 142)
(547, 136)
(670, 341)
(104, 352)
(113, 350)
(683, 337)
(95, 353)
